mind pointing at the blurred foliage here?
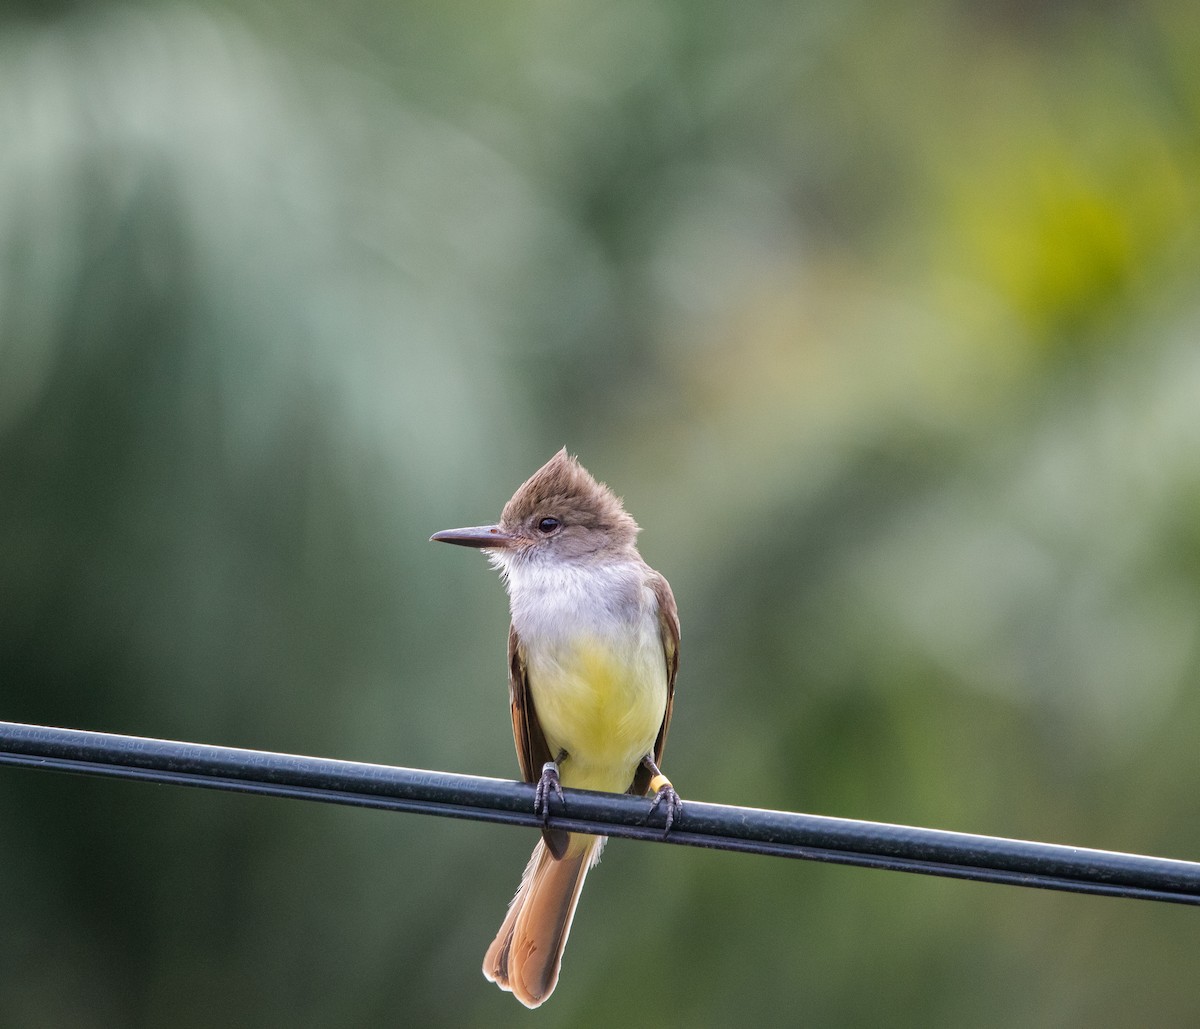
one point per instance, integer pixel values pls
(882, 318)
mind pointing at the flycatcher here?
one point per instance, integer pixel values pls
(592, 655)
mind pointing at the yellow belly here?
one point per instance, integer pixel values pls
(601, 703)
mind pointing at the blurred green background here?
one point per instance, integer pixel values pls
(884, 320)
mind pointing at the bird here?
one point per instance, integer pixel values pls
(593, 652)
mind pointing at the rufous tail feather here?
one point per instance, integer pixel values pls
(526, 955)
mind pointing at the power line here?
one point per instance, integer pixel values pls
(752, 830)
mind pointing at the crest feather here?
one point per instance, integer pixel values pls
(562, 486)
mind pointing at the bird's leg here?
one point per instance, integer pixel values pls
(664, 793)
(547, 784)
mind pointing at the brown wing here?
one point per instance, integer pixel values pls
(668, 622)
(532, 749)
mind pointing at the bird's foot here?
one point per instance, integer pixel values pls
(664, 793)
(547, 784)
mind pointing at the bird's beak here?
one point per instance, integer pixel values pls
(485, 537)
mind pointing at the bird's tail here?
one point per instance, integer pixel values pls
(527, 952)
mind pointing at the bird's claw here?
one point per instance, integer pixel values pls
(547, 784)
(667, 796)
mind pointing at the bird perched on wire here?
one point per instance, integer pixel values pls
(592, 652)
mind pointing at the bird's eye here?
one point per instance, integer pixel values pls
(548, 525)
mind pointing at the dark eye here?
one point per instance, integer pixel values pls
(548, 525)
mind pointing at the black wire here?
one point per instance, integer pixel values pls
(752, 830)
